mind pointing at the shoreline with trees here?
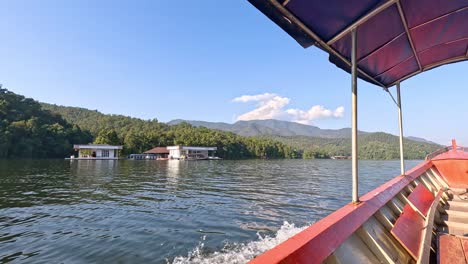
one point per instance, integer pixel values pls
(29, 129)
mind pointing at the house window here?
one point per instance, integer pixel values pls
(105, 153)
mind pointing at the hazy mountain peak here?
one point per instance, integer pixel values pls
(268, 127)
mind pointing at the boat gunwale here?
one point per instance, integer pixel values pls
(459, 154)
(322, 238)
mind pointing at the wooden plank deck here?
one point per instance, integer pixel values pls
(421, 198)
(453, 249)
(408, 230)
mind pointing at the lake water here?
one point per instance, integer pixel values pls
(167, 211)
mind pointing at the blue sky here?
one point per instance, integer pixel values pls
(191, 59)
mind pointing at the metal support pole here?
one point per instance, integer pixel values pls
(400, 120)
(354, 150)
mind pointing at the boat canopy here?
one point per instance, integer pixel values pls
(397, 39)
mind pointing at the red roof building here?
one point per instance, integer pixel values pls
(157, 150)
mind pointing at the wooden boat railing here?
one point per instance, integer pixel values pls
(445, 149)
(362, 232)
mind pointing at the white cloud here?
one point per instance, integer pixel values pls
(272, 106)
(315, 112)
(258, 97)
(269, 106)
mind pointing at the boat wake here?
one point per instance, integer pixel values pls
(237, 253)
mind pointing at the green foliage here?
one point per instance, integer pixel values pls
(138, 135)
(28, 131)
(378, 145)
(314, 154)
(109, 137)
(31, 130)
(270, 127)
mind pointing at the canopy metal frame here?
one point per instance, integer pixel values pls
(326, 45)
(360, 21)
(410, 39)
(432, 66)
(355, 70)
(354, 118)
(354, 121)
(400, 123)
(319, 41)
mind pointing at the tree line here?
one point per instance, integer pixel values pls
(374, 146)
(29, 129)
(229, 145)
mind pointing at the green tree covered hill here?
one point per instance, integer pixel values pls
(139, 135)
(377, 145)
(271, 127)
(28, 131)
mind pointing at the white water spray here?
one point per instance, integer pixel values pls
(238, 253)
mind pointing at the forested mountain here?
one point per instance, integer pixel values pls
(280, 128)
(418, 139)
(271, 127)
(139, 135)
(324, 143)
(28, 131)
(377, 145)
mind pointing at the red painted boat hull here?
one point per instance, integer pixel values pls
(317, 243)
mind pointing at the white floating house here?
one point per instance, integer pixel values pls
(97, 151)
(192, 153)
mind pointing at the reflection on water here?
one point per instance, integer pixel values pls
(154, 211)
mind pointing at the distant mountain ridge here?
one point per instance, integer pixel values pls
(325, 142)
(418, 139)
(272, 127)
(271, 138)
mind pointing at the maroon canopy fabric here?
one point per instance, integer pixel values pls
(396, 39)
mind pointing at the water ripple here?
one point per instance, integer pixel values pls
(170, 211)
